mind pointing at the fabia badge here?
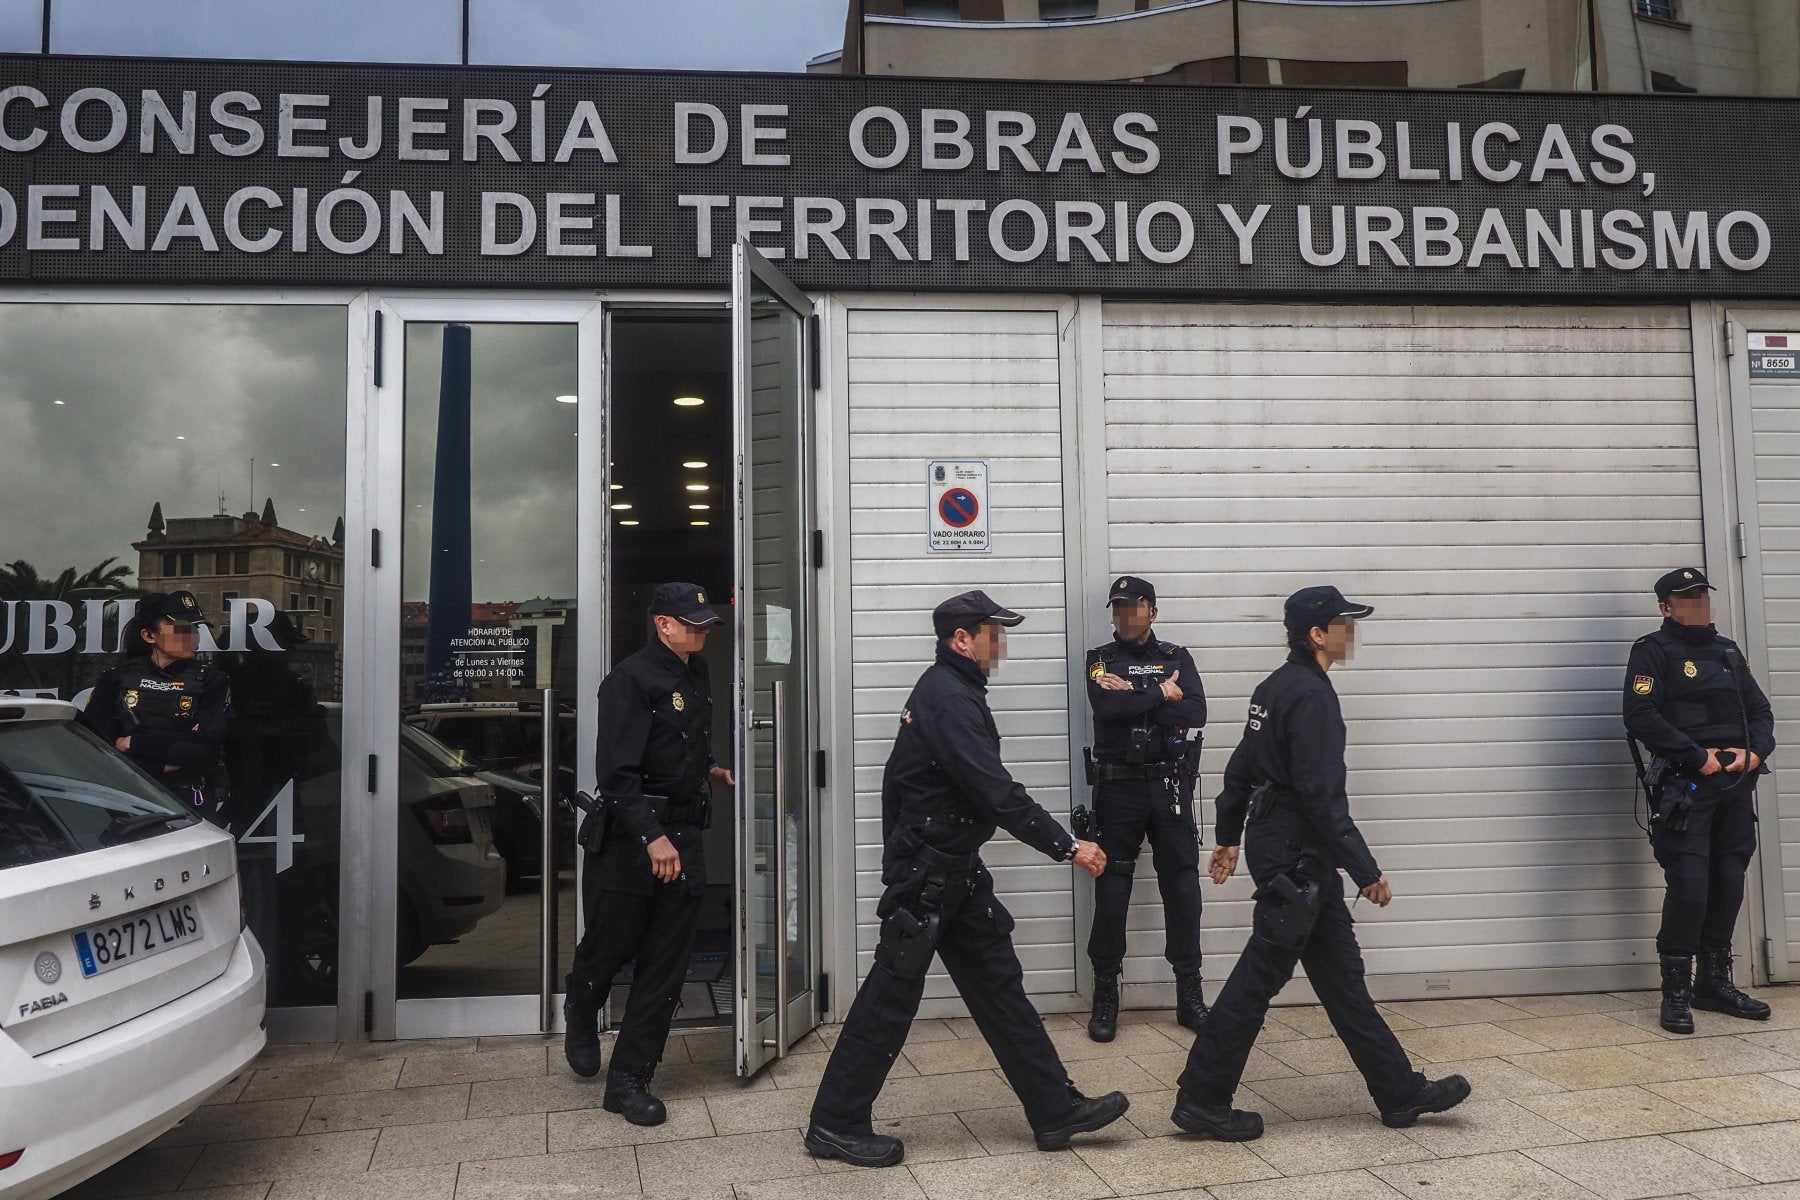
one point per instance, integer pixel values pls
(48, 967)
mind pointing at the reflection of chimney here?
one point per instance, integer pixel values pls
(156, 520)
(451, 592)
(268, 513)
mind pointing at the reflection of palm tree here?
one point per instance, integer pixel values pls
(20, 581)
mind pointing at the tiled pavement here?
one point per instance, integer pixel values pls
(1575, 1096)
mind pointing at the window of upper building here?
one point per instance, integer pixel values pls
(1661, 9)
(1067, 10)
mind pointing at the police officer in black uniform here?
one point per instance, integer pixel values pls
(1146, 697)
(1285, 782)
(163, 708)
(944, 793)
(643, 879)
(1690, 698)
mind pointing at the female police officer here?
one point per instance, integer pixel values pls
(166, 711)
(1286, 781)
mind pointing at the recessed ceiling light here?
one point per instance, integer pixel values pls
(688, 402)
(274, 464)
(692, 464)
(616, 487)
(699, 507)
(698, 487)
(567, 399)
(181, 437)
(621, 507)
(58, 402)
(627, 521)
(700, 523)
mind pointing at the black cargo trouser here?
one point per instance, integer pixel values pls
(972, 932)
(656, 933)
(1128, 811)
(1334, 967)
(1703, 869)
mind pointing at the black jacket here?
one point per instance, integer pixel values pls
(1145, 666)
(1689, 688)
(655, 723)
(945, 783)
(174, 717)
(1294, 740)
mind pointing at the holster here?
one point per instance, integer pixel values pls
(1286, 911)
(596, 822)
(911, 909)
(1188, 780)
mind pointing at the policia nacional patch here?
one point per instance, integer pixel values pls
(1097, 670)
(1642, 685)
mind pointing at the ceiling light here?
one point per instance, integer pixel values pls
(688, 402)
(181, 437)
(58, 402)
(616, 487)
(621, 507)
(700, 523)
(627, 521)
(274, 464)
(698, 487)
(567, 399)
(699, 507)
(692, 464)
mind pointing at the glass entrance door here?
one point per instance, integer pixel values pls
(480, 587)
(777, 938)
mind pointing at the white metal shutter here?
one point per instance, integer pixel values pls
(1503, 485)
(971, 384)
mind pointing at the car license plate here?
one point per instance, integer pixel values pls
(107, 947)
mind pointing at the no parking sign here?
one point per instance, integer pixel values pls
(957, 511)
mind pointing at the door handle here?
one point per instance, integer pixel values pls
(547, 867)
(779, 703)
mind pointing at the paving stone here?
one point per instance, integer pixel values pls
(1275, 1029)
(152, 1169)
(1314, 1097)
(288, 1054)
(1735, 1099)
(1635, 1168)
(594, 1128)
(1063, 1176)
(1006, 1131)
(1495, 1078)
(857, 1185)
(1755, 1191)
(924, 1030)
(1098, 1076)
(1167, 1067)
(961, 1054)
(554, 1092)
(238, 1122)
(742, 1158)
(1704, 1057)
(757, 1112)
(460, 1141)
(1074, 1045)
(583, 1173)
(1565, 1006)
(519, 1062)
(1313, 1056)
(1436, 1013)
(1482, 1177)
(1766, 1153)
(1618, 1112)
(943, 1094)
(1334, 1144)
(1338, 1185)
(1576, 1032)
(231, 1090)
(237, 1191)
(940, 1137)
(1445, 1043)
(321, 1079)
(1598, 1067)
(1485, 1126)
(805, 1070)
(553, 1042)
(1150, 1111)
(1782, 1041)
(715, 1047)
(372, 1051)
(679, 1080)
(1138, 1165)
(413, 1183)
(346, 1153)
(372, 1110)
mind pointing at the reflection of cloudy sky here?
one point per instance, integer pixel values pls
(77, 480)
(522, 451)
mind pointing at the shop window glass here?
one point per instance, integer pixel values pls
(124, 424)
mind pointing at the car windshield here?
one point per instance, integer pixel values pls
(63, 792)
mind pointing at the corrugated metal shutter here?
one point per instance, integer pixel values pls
(972, 384)
(1503, 484)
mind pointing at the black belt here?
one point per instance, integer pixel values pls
(946, 863)
(1105, 772)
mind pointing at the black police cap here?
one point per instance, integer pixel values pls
(1130, 587)
(686, 602)
(179, 607)
(1315, 607)
(967, 608)
(1681, 579)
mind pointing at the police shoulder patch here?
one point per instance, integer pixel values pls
(1097, 670)
(1642, 685)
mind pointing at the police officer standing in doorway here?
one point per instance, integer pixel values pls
(1146, 697)
(643, 879)
(165, 709)
(1690, 699)
(1285, 783)
(944, 793)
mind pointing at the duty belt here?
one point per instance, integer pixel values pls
(946, 864)
(1105, 772)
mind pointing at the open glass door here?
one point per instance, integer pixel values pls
(776, 948)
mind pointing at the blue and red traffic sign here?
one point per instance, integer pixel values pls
(959, 508)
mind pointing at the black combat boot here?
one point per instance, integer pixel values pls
(1438, 1095)
(1103, 1023)
(1714, 991)
(858, 1149)
(629, 1095)
(1190, 1001)
(581, 1028)
(1088, 1115)
(1220, 1121)
(1677, 993)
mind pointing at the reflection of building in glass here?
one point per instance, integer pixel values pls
(223, 558)
(1735, 47)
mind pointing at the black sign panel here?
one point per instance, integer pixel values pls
(122, 170)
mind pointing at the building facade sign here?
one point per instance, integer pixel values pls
(172, 171)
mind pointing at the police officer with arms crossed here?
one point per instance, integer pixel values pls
(644, 877)
(944, 792)
(164, 709)
(1146, 696)
(1690, 699)
(1285, 783)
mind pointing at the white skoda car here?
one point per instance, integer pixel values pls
(131, 989)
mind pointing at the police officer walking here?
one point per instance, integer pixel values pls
(163, 708)
(645, 873)
(1285, 782)
(944, 793)
(1690, 698)
(1146, 696)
